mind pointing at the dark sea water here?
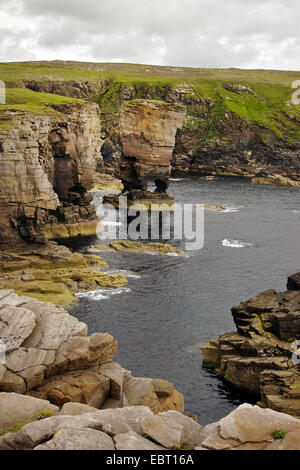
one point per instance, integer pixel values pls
(174, 305)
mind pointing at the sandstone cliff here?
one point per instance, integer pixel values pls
(261, 357)
(47, 165)
(147, 133)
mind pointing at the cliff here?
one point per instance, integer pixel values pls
(238, 122)
(262, 356)
(147, 132)
(48, 159)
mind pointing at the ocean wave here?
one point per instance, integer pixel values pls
(235, 243)
(103, 293)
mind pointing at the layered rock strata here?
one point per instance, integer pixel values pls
(49, 356)
(52, 273)
(147, 132)
(261, 357)
(47, 166)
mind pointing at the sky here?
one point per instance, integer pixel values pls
(192, 33)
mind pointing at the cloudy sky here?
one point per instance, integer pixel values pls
(197, 33)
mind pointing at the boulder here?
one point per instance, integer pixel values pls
(112, 422)
(133, 441)
(190, 429)
(140, 391)
(163, 430)
(16, 409)
(253, 424)
(78, 439)
(76, 409)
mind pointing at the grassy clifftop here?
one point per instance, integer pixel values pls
(68, 70)
(264, 98)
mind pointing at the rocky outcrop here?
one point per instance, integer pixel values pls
(261, 357)
(137, 428)
(137, 247)
(49, 356)
(79, 89)
(147, 132)
(47, 166)
(52, 273)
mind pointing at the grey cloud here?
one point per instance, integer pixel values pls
(208, 33)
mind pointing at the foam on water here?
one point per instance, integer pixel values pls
(103, 293)
(129, 274)
(235, 243)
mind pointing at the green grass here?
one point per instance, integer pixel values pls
(41, 415)
(267, 108)
(22, 99)
(280, 434)
(127, 72)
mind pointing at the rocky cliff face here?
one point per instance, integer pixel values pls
(47, 165)
(261, 356)
(48, 355)
(147, 132)
(230, 129)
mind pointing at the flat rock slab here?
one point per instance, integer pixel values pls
(133, 441)
(163, 430)
(78, 439)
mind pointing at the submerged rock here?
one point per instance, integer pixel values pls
(138, 247)
(53, 273)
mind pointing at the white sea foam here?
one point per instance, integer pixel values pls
(235, 243)
(129, 274)
(111, 224)
(103, 293)
(231, 209)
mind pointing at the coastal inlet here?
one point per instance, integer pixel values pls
(173, 305)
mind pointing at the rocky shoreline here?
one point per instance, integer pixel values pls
(61, 390)
(261, 357)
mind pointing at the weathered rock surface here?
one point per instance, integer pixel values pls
(147, 131)
(44, 193)
(49, 356)
(78, 439)
(52, 273)
(190, 429)
(133, 441)
(163, 430)
(261, 357)
(16, 408)
(137, 247)
(136, 428)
